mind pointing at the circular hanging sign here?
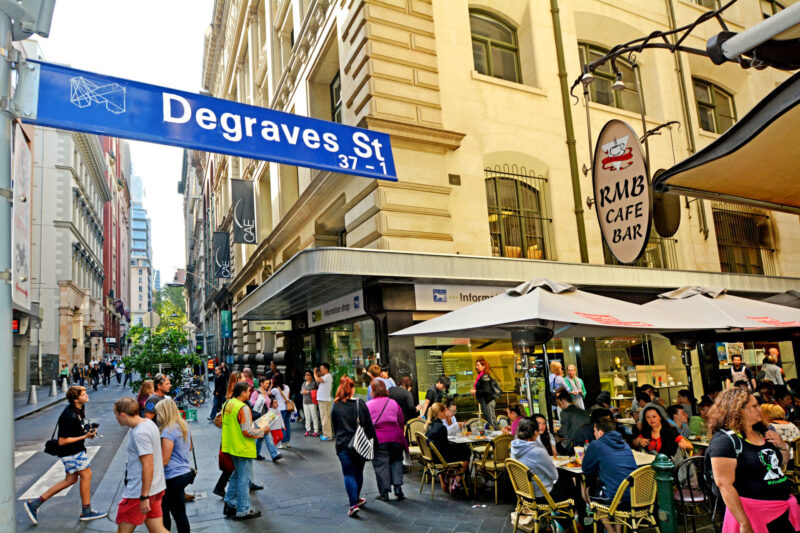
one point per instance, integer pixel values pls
(621, 191)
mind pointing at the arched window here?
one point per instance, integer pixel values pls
(600, 90)
(716, 111)
(494, 47)
(518, 216)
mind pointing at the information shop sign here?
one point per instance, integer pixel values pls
(348, 306)
(621, 191)
(83, 101)
(269, 325)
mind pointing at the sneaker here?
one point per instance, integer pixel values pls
(256, 486)
(286, 445)
(91, 514)
(307, 434)
(324, 438)
(362, 502)
(260, 457)
(353, 510)
(252, 513)
(315, 434)
(32, 510)
(398, 492)
(280, 446)
(229, 510)
(277, 458)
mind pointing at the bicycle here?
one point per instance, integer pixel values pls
(188, 394)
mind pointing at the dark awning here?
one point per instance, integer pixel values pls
(756, 162)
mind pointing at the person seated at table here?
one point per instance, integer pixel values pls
(451, 452)
(572, 418)
(453, 426)
(686, 401)
(545, 439)
(606, 463)
(514, 413)
(525, 450)
(678, 415)
(764, 391)
(698, 424)
(603, 401)
(639, 402)
(773, 416)
(658, 436)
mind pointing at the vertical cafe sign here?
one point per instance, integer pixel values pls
(621, 191)
(244, 212)
(221, 248)
(21, 235)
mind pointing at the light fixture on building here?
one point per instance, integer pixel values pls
(587, 76)
(619, 85)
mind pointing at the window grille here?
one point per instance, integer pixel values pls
(744, 239)
(519, 214)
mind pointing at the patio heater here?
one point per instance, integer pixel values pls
(524, 342)
(685, 343)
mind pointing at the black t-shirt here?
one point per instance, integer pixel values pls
(150, 406)
(433, 395)
(758, 472)
(70, 424)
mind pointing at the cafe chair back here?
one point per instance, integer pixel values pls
(414, 426)
(503, 421)
(641, 510)
(475, 424)
(522, 481)
(692, 496)
(493, 463)
(434, 465)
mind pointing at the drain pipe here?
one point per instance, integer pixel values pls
(570, 130)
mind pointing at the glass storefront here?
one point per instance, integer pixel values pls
(351, 349)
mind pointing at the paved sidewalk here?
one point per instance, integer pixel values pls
(21, 407)
(306, 490)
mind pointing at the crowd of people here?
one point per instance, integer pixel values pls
(95, 373)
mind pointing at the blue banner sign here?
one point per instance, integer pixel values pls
(91, 103)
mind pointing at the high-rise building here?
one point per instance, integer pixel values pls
(141, 262)
(157, 280)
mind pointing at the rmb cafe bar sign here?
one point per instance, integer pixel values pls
(621, 191)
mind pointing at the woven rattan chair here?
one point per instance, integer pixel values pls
(435, 465)
(642, 483)
(503, 421)
(414, 426)
(792, 469)
(522, 481)
(493, 463)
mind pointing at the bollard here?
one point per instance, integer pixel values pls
(64, 386)
(53, 388)
(32, 395)
(667, 518)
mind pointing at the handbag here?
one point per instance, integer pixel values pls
(359, 443)
(314, 396)
(225, 462)
(218, 418)
(289, 403)
(51, 446)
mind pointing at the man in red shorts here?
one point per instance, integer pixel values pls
(141, 498)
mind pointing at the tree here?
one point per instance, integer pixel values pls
(166, 345)
(170, 294)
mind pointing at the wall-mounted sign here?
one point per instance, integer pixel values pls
(269, 325)
(451, 297)
(221, 248)
(226, 324)
(348, 306)
(621, 191)
(21, 174)
(244, 212)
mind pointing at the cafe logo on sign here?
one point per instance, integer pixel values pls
(621, 191)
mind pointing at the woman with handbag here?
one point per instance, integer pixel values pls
(355, 434)
(309, 392)
(286, 406)
(176, 443)
(483, 391)
(387, 417)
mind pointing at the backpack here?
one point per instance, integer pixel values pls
(497, 391)
(709, 472)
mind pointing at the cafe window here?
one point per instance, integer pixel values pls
(519, 218)
(350, 350)
(744, 240)
(600, 90)
(336, 99)
(495, 50)
(716, 111)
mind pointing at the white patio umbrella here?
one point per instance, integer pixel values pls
(537, 310)
(724, 310)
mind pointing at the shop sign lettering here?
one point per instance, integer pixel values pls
(608, 320)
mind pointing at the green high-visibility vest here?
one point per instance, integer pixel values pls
(233, 441)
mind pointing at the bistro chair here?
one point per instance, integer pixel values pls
(474, 425)
(522, 481)
(792, 469)
(499, 449)
(414, 426)
(641, 508)
(692, 494)
(435, 465)
(503, 421)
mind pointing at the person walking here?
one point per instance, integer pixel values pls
(575, 386)
(63, 374)
(483, 391)
(94, 374)
(308, 390)
(261, 402)
(76, 375)
(387, 418)
(280, 391)
(72, 437)
(346, 416)
(402, 395)
(434, 395)
(176, 444)
(119, 370)
(239, 441)
(107, 369)
(220, 388)
(144, 490)
(324, 380)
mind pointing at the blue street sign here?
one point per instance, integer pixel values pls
(83, 101)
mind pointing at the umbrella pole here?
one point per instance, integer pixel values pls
(547, 388)
(686, 356)
(527, 368)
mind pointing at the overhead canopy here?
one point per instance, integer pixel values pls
(562, 307)
(757, 161)
(790, 298)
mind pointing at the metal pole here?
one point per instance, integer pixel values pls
(588, 123)
(644, 121)
(526, 362)
(7, 501)
(547, 392)
(686, 355)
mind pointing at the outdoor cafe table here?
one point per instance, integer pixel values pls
(473, 439)
(641, 459)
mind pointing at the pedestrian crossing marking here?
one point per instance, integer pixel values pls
(53, 476)
(21, 457)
